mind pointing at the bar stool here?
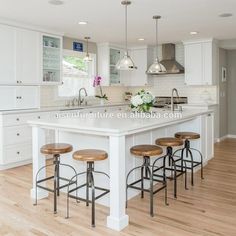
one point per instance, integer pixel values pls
(187, 136)
(169, 143)
(147, 151)
(55, 149)
(89, 156)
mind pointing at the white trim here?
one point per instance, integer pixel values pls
(29, 27)
(225, 137)
(15, 164)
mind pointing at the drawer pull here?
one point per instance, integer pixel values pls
(18, 134)
(18, 153)
(17, 119)
(39, 117)
(209, 115)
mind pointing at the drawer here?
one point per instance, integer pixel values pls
(17, 134)
(21, 119)
(17, 153)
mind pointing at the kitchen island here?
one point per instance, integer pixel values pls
(116, 132)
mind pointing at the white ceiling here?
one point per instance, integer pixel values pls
(106, 18)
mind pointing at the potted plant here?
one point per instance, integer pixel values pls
(97, 83)
(142, 101)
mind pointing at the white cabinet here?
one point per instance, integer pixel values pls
(19, 97)
(200, 62)
(27, 57)
(142, 58)
(19, 56)
(51, 59)
(108, 56)
(7, 55)
(209, 132)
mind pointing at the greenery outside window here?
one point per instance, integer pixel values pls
(77, 74)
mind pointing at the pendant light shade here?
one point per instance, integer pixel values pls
(156, 67)
(126, 63)
(87, 58)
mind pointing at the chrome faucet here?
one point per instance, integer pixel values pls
(174, 90)
(80, 99)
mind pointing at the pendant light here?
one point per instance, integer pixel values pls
(126, 63)
(87, 58)
(156, 67)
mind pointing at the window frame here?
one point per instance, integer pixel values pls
(69, 52)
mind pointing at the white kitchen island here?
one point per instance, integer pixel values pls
(116, 135)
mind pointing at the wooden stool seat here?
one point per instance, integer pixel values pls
(56, 148)
(187, 135)
(90, 155)
(146, 150)
(169, 142)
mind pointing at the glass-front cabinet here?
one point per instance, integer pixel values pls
(115, 56)
(51, 59)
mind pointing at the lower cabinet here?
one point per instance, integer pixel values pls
(16, 138)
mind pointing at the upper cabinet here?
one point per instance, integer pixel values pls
(51, 59)
(201, 62)
(109, 55)
(142, 58)
(29, 57)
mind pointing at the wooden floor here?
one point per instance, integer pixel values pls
(208, 208)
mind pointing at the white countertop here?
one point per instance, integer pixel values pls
(60, 108)
(114, 125)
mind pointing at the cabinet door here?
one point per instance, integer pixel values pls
(27, 97)
(193, 64)
(7, 55)
(27, 57)
(207, 63)
(138, 77)
(209, 135)
(8, 98)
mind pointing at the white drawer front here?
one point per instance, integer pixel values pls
(22, 119)
(16, 135)
(17, 153)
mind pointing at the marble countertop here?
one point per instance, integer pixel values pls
(118, 123)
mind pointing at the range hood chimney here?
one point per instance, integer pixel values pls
(169, 62)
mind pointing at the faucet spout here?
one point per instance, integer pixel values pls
(174, 90)
(80, 99)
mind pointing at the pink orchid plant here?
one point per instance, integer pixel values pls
(97, 83)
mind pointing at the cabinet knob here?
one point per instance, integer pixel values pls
(18, 134)
(39, 117)
(17, 119)
(208, 114)
(18, 153)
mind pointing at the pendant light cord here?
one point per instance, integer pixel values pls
(126, 29)
(156, 38)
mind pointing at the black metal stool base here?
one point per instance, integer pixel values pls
(188, 153)
(149, 170)
(56, 177)
(173, 168)
(88, 185)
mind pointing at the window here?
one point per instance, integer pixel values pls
(77, 74)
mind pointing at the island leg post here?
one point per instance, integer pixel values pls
(118, 218)
(38, 140)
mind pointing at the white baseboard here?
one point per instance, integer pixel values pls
(225, 137)
(16, 164)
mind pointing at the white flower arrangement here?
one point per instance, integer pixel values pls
(142, 101)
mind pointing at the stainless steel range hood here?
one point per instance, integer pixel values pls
(168, 55)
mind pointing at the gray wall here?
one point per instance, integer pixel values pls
(223, 98)
(231, 62)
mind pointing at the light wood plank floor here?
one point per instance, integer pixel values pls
(208, 208)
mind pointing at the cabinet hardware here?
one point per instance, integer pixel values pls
(39, 117)
(18, 134)
(17, 119)
(18, 153)
(208, 114)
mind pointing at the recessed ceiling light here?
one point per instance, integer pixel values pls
(56, 2)
(141, 39)
(83, 22)
(193, 32)
(226, 15)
